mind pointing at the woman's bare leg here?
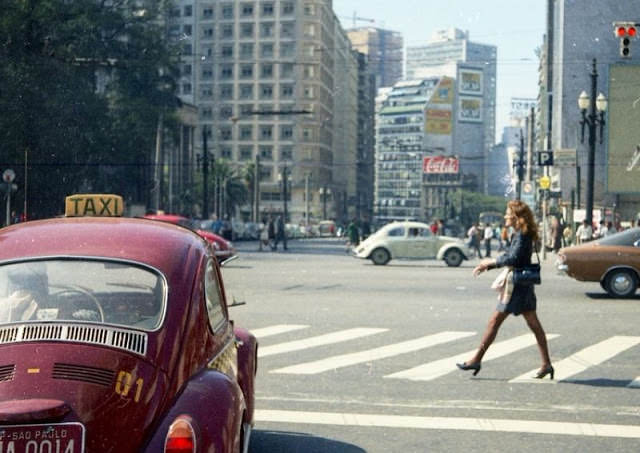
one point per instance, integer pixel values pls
(534, 324)
(489, 335)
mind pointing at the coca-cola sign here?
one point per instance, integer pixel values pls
(440, 164)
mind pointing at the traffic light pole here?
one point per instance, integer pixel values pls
(591, 122)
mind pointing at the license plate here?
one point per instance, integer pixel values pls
(52, 438)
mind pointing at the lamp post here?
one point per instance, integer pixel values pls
(324, 193)
(284, 180)
(597, 106)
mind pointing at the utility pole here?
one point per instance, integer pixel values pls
(520, 168)
(205, 175)
(285, 178)
(256, 190)
(306, 200)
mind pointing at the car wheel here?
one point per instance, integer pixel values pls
(380, 257)
(453, 257)
(621, 283)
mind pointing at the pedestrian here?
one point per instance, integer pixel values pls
(488, 235)
(271, 233)
(434, 228)
(440, 227)
(474, 240)
(522, 299)
(366, 229)
(610, 229)
(584, 233)
(353, 233)
(280, 234)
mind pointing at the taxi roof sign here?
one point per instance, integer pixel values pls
(93, 205)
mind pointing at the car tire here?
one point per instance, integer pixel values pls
(453, 257)
(621, 283)
(380, 256)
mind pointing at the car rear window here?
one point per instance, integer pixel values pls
(626, 237)
(82, 290)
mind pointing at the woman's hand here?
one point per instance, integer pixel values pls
(484, 265)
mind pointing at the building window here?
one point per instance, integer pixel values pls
(207, 32)
(246, 50)
(187, 49)
(309, 30)
(266, 50)
(187, 30)
(287, 49)
(246, 110)
(266, 71)
(266, 91)
(286, 152)
(265, 108)
(287, 8)
(266, 174)
(188, 10)
(186, 88)
(226, 92)
(267, 9)
(226, 111)
(226, 72)
(175, 12)
(206, 91)
(306, 134)
(227, 51)
(207, 72)
(286, 70)
(247, 10)
(266, 29)
(266, 152)
(207, 12)
(287, 30)
(246, 30)
(286, 91)
(186, 70)
(309, 72)
(309, 10)
(246, 132)
(225, 133)
(266, 132)
(226, 31)
(246, 71)
(226, 152)
(309, 50)
(227, 11)
(246, 91)
(206, 113)
(246, 152)
(309, 92)
(286, 132)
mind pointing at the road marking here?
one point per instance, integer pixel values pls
(587, 357)
(449, 423)
(433, 370)
(635, 383)
(320, 340)
(277, 329)
(340, 361)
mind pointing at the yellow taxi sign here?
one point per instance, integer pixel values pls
(544, 182)
(93, 205)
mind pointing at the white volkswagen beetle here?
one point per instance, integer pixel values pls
(411, 240)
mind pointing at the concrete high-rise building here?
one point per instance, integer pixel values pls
(385, 51)
(451, 53)
(253, 68)
(578, 33)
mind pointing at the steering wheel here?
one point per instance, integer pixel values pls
(87, 294)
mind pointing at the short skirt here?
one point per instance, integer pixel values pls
(523, 299)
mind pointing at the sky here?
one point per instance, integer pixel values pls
(516, 27)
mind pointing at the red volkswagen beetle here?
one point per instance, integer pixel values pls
(115, 337)
(224, 250)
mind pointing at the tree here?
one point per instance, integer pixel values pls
(82, 84)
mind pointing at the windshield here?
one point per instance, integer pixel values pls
(627, 237)
(81, 291)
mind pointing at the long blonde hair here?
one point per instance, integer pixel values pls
(524, 218)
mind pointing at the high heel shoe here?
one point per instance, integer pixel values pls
(472, 366)
(542, 373)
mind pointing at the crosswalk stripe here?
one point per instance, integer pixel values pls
(435, 369)
(635, 383)
(587, 357)
(449, 423)
(277, 329)
(340, 361)
(320, 340)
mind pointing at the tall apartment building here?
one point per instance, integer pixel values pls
(451, 53)
(385, 51)
(251, 68)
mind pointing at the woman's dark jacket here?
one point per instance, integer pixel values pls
(523, 298)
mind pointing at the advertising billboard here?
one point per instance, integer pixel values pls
(443, 94)
(470, 82)
(438, 122)
(440, 165)
(623, 118)
(470, 109)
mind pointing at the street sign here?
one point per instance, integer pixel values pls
(545, 158)
(544, 182)
(8, 175)
(564, 157)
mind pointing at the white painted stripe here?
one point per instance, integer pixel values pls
(320, 340)
(340, 361)
(449, 423)
(635, 383)
(588, 357)
(277, 329)
(433, 370)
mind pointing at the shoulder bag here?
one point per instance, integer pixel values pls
(527, 275)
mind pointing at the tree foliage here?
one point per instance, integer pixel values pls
(82, 84)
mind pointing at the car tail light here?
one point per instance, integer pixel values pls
(181, 437)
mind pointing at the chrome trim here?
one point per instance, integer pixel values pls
(126, 340)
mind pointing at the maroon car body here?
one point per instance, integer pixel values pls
(224, 249)
(146, 345)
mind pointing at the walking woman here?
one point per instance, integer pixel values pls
(523, 298)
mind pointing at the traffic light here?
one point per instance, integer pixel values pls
(626, 31)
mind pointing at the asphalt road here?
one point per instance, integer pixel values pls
(356, 357)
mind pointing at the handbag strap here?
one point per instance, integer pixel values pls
(535, 247)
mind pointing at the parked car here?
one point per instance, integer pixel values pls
(115, 336)
(411, 240)
(614, 261)
(224, 250)
(327, 228)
